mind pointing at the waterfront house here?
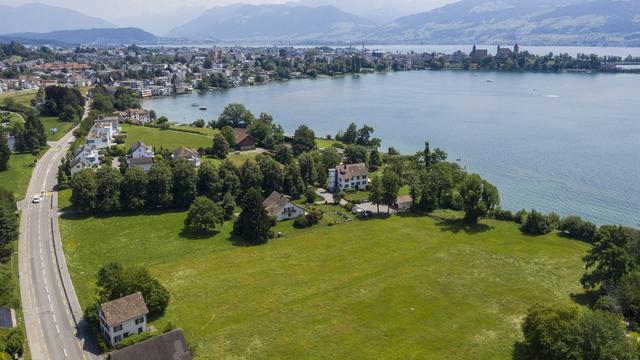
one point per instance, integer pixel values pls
(123, 317)
(281, 207)
(477, 55)
(348, 176)
(168, 346)
(187, 154)
(244, 141)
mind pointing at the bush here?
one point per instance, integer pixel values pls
(539, 224)
(310, 195)
(503, 215)
(14, 343)
(576, 228)
(301, 222)
(136, 338)
(521, 216)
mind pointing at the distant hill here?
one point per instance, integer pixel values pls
(42, 18)
(560, 22)
(86, 36)
(271, 22)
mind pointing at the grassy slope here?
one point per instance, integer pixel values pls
(166, 138)
(53, 122)
(396, 288)
(23, 97)
(17, 177)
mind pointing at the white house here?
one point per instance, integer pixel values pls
(11, 142)
(189, 155)
(78, 165)
(123, 317)
(351, 176)
(139, 150)
(281, 207)
(101, 135)
(404, 202)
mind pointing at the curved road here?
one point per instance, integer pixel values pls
(52, 314)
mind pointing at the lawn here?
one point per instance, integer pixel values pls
(168, 139)
(403, 287)
(50, 122)
(324, 143)
(23, 97)
(17, 177)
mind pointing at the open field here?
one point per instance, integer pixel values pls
(53, 122)
(166, 138)
(403, 287)
(17, 177)
(23, 97)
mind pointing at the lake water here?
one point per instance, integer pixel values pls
(568, 143)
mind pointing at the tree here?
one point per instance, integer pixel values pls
(209, 182)
(308, 169)
(628, 296)
(125, 98)
(5, 152)
(538, 223)
(159, 186)
(304, 139)
(253, 224)
(284, 155)
(230, 178)
(478, 198)
(271, 174)
(115, 281)
(364, 134)
(376, 191)
(375, 160)
(229, 135)
(356, 154)
(68, 114)
(391, 186)
(576, 228)
(236, 116)
(292, 183)
(250, 175)
(108, 182)
(204, 214)
(310, 195)
(134, 188)
(185, 183)
(220, 147)
(608, 258)
(349, 136)
(84, 190)
(8, 227)
(228, 206)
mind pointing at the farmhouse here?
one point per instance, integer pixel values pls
(187, 154)
(348, 176)
(123, 317)
(244, 141)
(168, 346)
(281, 207)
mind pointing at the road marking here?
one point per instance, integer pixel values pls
(65, 352)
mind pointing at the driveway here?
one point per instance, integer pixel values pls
(369, 206)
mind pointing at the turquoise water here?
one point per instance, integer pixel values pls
(568, 143)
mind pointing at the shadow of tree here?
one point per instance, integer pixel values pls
(78, 215)
(197, 234)
(520, 351)
(587, 298)
(459, 225)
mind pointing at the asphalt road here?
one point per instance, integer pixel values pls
(52, 314)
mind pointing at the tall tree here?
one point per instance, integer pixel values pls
(271, 174)
(253, 224)
(478, 198)
(185, 183)
(364, 136)
(235, 115)
(391, 186)
(350, 136)
(376, 191)
(308, 169)
(292, 183)
(5, 152)
(134, 188)
(230, 178)
(209, 182)
(608, 258)
(83, 190)
(220, 147)
(250, 175)
(160, 186)
(304, 139)
(228, 206)
(108, 182)
(284, 155)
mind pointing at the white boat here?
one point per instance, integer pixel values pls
(489, 80)
(203, 108)
(194, 104)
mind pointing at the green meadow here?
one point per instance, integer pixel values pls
(398, 288)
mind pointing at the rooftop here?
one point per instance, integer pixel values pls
(168, 346)
(124, 308)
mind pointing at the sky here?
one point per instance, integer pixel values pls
(118, 9)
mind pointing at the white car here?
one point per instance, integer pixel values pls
(36, 199)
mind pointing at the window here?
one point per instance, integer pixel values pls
(139, 320)
(117, 328)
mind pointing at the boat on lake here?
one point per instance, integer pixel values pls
(203, 108)
(194, 104)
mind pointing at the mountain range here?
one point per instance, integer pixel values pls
(539, 22)
(85, 36)
(41, 18)
(271, 22)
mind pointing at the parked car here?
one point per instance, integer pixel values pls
(36, 199)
